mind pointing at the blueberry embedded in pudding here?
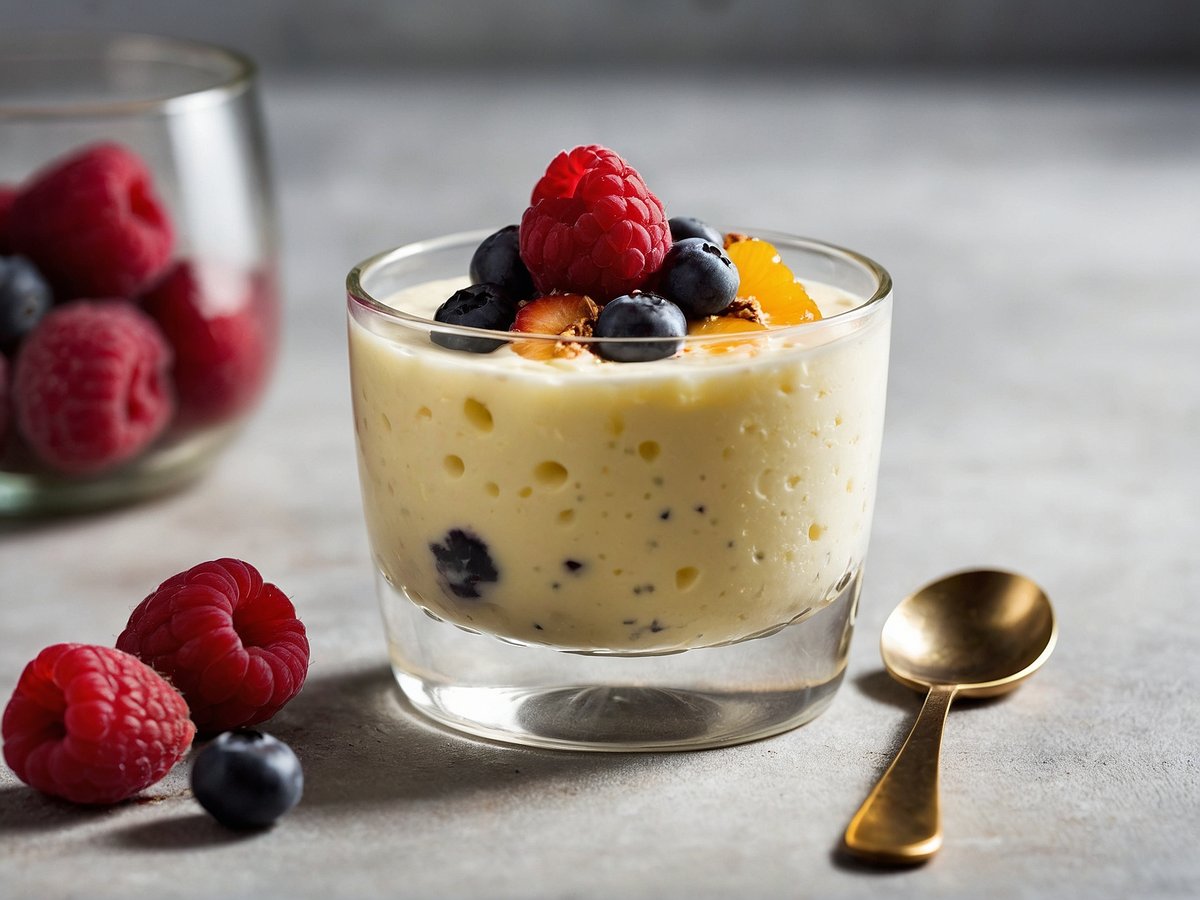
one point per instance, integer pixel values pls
(478, 306)
(463, 562)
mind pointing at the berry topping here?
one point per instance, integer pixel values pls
(230, 642)
(477, 306)
(563, 174)
(567, 315)
(93, 224)
(594, 230)
(24, 299)
(766, 279)
(638, 316)
(498, 260)
(247, 779)
(8, 193)
(221, 348)
(698, 277)
(90, 386)
(464, 563)
(93, 724)
(684, 227)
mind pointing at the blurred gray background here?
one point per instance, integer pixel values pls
(1028, 171)
(601, 33)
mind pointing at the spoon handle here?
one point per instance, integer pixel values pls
(899, 822)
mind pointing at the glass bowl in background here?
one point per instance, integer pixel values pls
(618, 556)
(189, 112)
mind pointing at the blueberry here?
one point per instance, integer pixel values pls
(463, 561)
(498, 260)
(247, 779)
(684, 227)
(699, 277)
(478, 306)
(639, 315)
(24, 299)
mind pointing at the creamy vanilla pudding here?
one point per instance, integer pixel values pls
(629, 508)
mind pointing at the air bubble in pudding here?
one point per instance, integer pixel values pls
(814, 532)
(478, 414)
(686, 577)
(550, 473)
(649, 450)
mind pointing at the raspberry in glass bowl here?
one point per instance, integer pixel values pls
(138, 311)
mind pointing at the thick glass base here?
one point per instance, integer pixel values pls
(543, 697)
(158, 472)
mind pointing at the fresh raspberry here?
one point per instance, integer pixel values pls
(93, 724)
(90, 387)
(230, 642)
(93, 224)
(565, 170)
(596, 230)
(221, 345)
(8, 194)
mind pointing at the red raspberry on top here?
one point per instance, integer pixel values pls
(230, 642)
(90, 389)
(93, 724)
(219, 337)
(93, 224)
(594, 227)
(8, 194)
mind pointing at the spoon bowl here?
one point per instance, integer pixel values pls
(985, 631)
(979, 634)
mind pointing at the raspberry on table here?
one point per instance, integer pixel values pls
(230, 642)
(90, 388)
(594, 227)
(222, 351)
(93, 224)
(93, 725)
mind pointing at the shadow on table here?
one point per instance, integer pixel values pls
(187, 832)
(360, 743)
(24, 809)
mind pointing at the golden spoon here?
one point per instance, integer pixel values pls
(971, 634)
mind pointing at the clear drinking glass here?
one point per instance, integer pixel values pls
(190, 113)
(618, 556)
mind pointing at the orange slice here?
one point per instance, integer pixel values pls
(764, 277)
(724, 325)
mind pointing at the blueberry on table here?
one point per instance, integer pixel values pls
(498, 260)
(464, 563)
(640, 315)
(699, 277)
(24, 299)
(478, 306)
(247, 779)
(684, 227)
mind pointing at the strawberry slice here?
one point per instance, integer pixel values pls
(564, 315)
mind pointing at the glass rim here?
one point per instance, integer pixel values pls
(357, 294)
(131, 48)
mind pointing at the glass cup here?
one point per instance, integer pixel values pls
(186, 116)
(618, 556)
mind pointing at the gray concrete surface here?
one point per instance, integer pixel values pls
(1044, 416)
